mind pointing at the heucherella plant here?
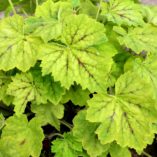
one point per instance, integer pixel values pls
(93, 61)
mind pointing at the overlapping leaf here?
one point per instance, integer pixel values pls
(76, 58)
(76, 95)
(16, 49)
(85, 132)
(57, 10)
(21, 138)
(122, 116)
(48, 114)
(31, 86)
(122, 12)
(140, 39)
(46, 28)
(117, 151)
(68, 146)
(146, 69)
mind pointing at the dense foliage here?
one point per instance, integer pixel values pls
(93, 61)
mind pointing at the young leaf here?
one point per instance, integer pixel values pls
(21, 138)
(122, 12)
(122, 116)
(48, 114)
(75, 57)
(85, 132)
(17, 50)
(140, 39)
(66, 147)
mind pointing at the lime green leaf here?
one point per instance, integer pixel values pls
(122, 116)
(21, 138)
(57, 10)
(32, 86)
(68, 146)
(77, 58)
(150, 14)
(85, 132)
(117, 151)
(2, 121)
(76, 95)
(16, 49)
(140, 39)
(146, 69)
(122, 12)
(54, 90)
(46, 28)
(48, 114)
(25, 88)
(75, 3)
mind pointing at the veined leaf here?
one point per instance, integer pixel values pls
(17, 50)
(48, 114)
(122, 12)
(31, 86)
(76, 58)
(85, 132)
(21, 138)
(46, 28)
(68, 146)
(140, 39)
(122, 116)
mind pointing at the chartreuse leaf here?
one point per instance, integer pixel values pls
(48, 114)
(76, 95)
(16, 49)
(122, 116)
(21, 138)
(68, 146)
(145, 69)
(85, 132)
(122, 12)
(140, 39)
(76, 58)
(46, 28)
(57, 10)
(117, 151)
(32, 86)
(48, 21)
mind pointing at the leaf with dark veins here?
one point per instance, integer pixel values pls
(121, 118)
(26, 87)
(15, 46)
(79, 59)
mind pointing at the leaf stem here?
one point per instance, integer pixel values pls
(66, 124)
(50, 136)
(37, 3)
(97, 15)
(12, 6)
(146, 154)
